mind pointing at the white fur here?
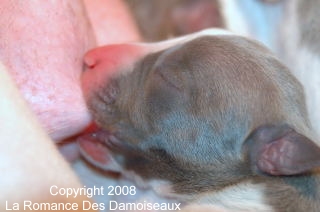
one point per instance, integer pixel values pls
(158, 46)
(233, 16)
(254, 19)
(306, 68)
(303, 64)
(245, 197)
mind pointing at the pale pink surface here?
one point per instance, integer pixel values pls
(111, 21)
(42, 44)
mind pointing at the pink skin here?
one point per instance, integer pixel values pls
(102, 63)
(46, 62)
(29, 162)
(42, 45)
(117, 25)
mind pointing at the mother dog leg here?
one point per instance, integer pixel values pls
(27, 173)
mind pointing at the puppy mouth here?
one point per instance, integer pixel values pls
(98, 146)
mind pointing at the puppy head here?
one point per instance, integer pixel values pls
(201, 113)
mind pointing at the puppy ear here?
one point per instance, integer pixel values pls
(281, 150)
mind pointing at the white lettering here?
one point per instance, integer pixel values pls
(86, 205)
(145, 206)
(15, 207)
(28, 205)
(52, 193)
(177, 206)
(115, 205)
(75, 192)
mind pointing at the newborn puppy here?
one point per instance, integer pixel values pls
(207, 119)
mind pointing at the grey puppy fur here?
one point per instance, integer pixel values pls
(208, 116)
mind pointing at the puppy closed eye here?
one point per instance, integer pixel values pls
(169, 77)
(166, 89)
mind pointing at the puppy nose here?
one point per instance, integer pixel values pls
(106, 58)
(108, 62)
(112, 57)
